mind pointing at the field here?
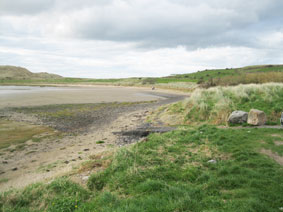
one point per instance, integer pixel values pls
(185, 82)
(172, 172)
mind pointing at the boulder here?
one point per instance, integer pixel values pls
(256, 117)
(238, 117)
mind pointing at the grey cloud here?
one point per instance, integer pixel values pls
(171, 23)
(24, 7)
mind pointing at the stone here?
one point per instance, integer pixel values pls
(238, 117)
(256, 117)
(281, 120)
(14, 169)
(212, 161)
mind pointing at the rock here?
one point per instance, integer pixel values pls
(14, 169)
(86, 149)
(85, 178)
(66, 162)
(5, 162)
(256, 117)
(238, 117)
(212, 161)
(281, 120)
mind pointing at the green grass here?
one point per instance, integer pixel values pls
(17, 133)
(206, 78)
(233, 76)
(170, 172)
(214, 105)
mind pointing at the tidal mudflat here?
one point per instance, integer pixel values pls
(18, 96)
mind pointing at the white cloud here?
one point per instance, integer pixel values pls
(121, 38)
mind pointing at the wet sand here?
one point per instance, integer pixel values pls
(36, 96)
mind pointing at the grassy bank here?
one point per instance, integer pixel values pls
(214, 105)
(185, 82)
(171, 172)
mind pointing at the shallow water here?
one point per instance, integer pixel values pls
(7, 90)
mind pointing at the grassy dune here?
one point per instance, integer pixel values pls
(171, 172)
(214, 105)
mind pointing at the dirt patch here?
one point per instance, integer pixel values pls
(274, 156)
(278, 143)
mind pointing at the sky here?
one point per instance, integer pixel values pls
(139, 38)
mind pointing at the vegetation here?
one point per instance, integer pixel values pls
(200, 167)
(18, 133)
(214, 105)
(186, 82)
(245, 75)
(171, 172)
(13, 73)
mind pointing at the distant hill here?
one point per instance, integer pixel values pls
(11, 75)
(19, 73)
(230, 76)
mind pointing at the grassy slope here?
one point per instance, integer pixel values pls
(170, 172)
(245, 75)
(214, 105)
(230, 76)
(14, 73)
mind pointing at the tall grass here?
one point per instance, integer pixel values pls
(247, 78)
(214, 105)
(182, 86)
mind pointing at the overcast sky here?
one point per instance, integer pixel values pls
(126, 38)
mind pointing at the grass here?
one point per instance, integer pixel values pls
(48, 167)
(214, 105)
(185, 82)
(17, 133)
(233, 76)
(4, 180)
(170, 172)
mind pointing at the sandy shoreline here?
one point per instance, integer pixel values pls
(70, 151)
(79, 95)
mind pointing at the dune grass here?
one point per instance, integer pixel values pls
(170, 172)
(214, 105)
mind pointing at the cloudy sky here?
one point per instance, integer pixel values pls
(125, 38)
